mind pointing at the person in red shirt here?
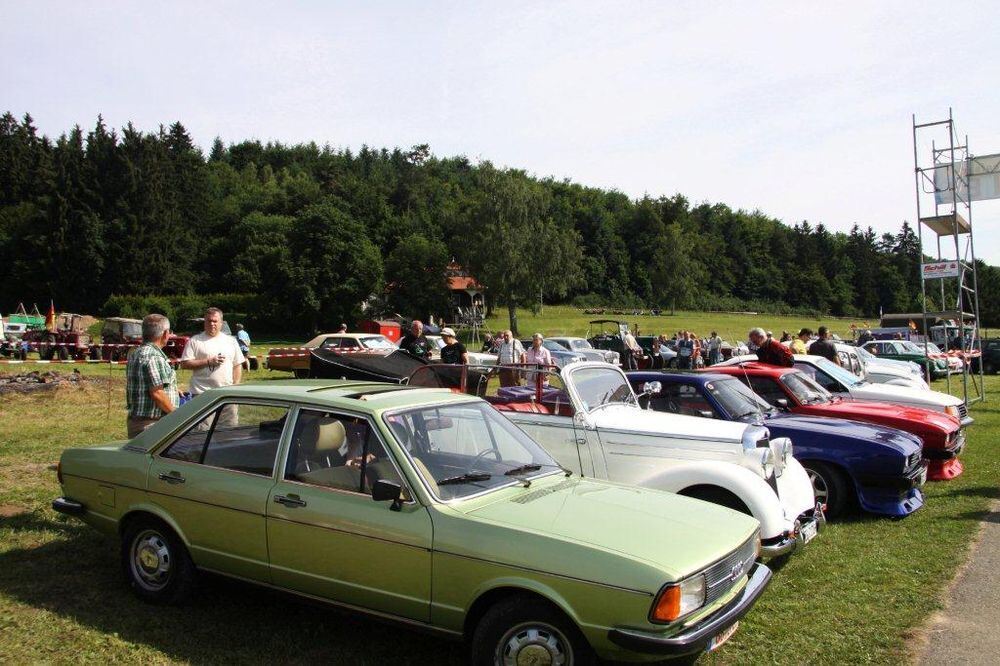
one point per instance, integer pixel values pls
(770, 350)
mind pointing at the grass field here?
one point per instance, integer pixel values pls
(856, 594)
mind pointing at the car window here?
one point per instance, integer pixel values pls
(467, 448)
(377, 342)
(767, 389)
(331, 343)
(239, 436)
(682, 399)
(337, 451)
(602, 386)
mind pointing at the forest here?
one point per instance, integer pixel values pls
(307, 235)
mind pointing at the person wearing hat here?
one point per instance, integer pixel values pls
(800, 345)
(453, 351)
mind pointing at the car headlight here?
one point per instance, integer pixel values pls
(767, 462)
(679, 599)
(952, 410)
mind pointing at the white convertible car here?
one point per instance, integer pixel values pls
(588, 417)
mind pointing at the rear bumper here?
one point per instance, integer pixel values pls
(696, 638)
(68, 506)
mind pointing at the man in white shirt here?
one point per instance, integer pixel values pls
(214, 357)
(510, 351)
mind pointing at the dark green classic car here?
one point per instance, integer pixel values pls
(422, 506)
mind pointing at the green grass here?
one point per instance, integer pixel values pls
(856, 594)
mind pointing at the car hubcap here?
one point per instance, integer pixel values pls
(819, 487)
(534, 645)
(151, 560)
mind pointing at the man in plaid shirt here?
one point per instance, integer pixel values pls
(150, 382)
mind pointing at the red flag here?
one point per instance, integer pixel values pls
(50, 318)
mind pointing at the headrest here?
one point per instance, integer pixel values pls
(330, 434)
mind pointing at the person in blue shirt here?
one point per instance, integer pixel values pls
(243, 340)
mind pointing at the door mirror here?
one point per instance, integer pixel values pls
(383, 490)
(782, 404)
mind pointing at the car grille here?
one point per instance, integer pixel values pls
(913, 460)
(963, 410)
(719, 577)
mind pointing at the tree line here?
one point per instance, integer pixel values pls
(314, 232)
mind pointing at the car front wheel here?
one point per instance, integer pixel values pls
(521, 630)
(156, 564)
(829, 487)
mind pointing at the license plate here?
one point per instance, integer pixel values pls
(808, 532)
(719, 639)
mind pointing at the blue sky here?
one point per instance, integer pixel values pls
(801, 112)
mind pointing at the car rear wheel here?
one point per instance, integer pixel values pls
(156, 564)
(829, 486)
(522, 630)
(301, 374)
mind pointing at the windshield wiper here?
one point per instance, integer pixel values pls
(534, 467)
(464, 478)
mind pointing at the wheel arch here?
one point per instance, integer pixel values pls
(499, 590)
(753, 491)
(837, 466)
(150, 511)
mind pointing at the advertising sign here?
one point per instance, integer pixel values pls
(941, 269)
(982, 181)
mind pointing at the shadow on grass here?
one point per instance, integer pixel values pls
(975, 491)
(78, 577)
(984, 516)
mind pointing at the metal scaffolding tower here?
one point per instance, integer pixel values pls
(943, 173)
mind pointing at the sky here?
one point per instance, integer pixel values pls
(803, 112)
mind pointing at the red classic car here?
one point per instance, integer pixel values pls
(794, 391)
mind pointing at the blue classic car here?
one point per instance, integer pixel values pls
(882, 467)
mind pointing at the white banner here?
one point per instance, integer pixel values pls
(941, 269)
(983, 183)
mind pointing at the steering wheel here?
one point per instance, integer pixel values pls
(478, 457)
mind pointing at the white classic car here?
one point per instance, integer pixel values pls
(475, 358)
(842, 383)
(588, 417)
(870, 368)
(582, 346)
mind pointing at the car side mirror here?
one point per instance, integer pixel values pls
(383, 490)
(706, 413)
(782, 404)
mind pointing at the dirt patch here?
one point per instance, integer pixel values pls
(27, 382)
(11, 510)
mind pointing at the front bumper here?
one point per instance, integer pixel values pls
(915, 478)
(698, 637)
(68, 506)
(946, 453)
(792, 541)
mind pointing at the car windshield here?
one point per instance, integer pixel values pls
(468, 448)
(552, 345)
(911, 347)
(132, 329)
(805, 390)
(933, 348)
(866, 355)
(578, 343)
(841, 374)
(377, 342)
(737, 399)
(598, 387)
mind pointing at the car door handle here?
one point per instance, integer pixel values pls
(173, 477)
(289, 500)
(581, 440)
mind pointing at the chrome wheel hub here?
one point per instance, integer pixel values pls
(151, 560)
(534, 644)
(819, 486)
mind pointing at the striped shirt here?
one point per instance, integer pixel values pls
(148, 369)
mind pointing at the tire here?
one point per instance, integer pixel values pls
(530, 628)
(717, 495)
(254, 364)
(829, 485)
(156, 563)
(46, 352)
(95, 353)
(301, 374)
(62, 352)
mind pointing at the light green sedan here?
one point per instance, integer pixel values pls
(421, 506)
